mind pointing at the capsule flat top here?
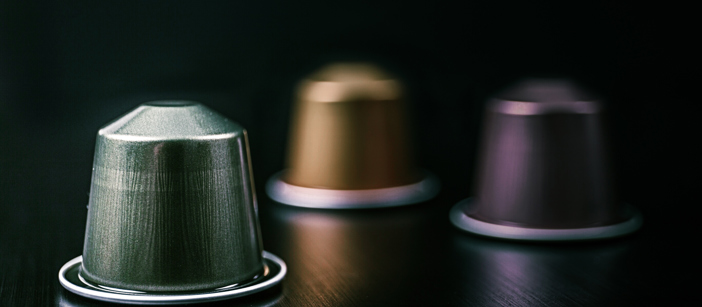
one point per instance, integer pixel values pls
(171, 120)
(350, 72)
(348, 82)
(542, 96)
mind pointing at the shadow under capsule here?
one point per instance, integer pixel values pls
(499, 272)
(375, 251)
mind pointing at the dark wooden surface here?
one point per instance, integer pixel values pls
(408, 256)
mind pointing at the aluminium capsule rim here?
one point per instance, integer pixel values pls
(288, 194)
(464, 222)
(69, 279)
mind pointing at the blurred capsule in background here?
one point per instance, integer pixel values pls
(543, 172)
(349, 144)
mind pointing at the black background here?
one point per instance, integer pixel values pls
(69, 67)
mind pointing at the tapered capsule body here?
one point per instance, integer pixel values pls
(349, 144)
(349, 131)
(544, 172)
(172, 204)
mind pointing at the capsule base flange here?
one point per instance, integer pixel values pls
(69, 277)
(472, 225)
(293, 195)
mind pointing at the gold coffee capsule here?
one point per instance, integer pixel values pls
(349, 143)
(172, 215)
(544, 172)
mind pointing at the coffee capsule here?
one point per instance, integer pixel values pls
(349, 144)
(172, 216)
(544, 173)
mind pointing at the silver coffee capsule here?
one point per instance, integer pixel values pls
(172, 216)
(349, 144)
(544, 173)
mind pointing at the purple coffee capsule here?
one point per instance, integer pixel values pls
(544, 173)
